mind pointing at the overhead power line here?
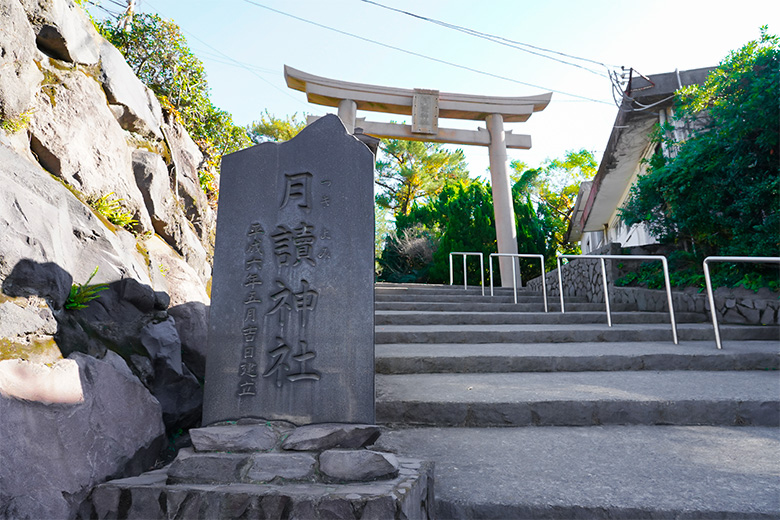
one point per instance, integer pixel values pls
(525, 47)
(618, 85)
(235, 62)
(420, 55)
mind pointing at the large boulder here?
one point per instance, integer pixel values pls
(76, 137)
(135, 105)
(42, 221)
(19, 76)
(166, 212)
(129, 319)
(68, 427)
(63, 31)
(188, 160)
(189, 303)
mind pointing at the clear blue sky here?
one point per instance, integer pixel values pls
(244, 48)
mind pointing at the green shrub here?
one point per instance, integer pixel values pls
(111, 207)
(81, 294)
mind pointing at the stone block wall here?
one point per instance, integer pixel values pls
(734, 305)
(581, 277)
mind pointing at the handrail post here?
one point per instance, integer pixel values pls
(514, 277)
(544, 284)
(711, 298)
(465, 277)
(482, 272)
(668, 285)
(708, 281)
(490, 263)
(560, 283)
(606, 290)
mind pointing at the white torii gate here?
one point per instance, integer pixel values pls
(425, 107)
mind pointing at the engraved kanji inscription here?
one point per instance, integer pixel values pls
(297, 187)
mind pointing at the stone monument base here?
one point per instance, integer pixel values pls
(273, 470)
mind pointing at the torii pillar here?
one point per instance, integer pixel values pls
(425, 107)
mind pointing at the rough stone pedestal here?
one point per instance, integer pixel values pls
(272, 470)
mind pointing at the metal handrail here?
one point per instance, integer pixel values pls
(660, 258)
(514, 275)
(708, 281)
(481, 268)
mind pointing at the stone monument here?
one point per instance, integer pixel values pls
(291, 334)
(290, 365)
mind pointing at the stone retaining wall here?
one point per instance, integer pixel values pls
(580, 277)
(734, 305)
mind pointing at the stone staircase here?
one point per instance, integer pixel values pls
(672, 431)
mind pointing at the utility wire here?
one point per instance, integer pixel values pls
(502, 40)
(617, 89)
(420, 55)
(238, 63)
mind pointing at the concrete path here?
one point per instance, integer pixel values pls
(410, 358)
(600, 472)
(532, 415)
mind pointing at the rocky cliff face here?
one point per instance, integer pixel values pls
(76, 126)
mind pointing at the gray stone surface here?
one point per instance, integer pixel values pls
(19, 76)
(421, 317)
(352, 465)
(644, 397)
(335, 435)
(265, 467)
(45, 223)
(21, 317)
(292, 292)
(192, 324)
(166, 211)
(140, 110)
(151, 176)
(127, 318)
(115, 430)
(202, 468)
(187, 161)
(616, 472)
(47, 280)
(63, 30)
(566, 333)
(580, 398)
(257, 437)
(408, 358)
(75, 136)
(406, 497)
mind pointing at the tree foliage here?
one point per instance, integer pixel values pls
(720, 194)
(411, 171)
(158, 53)
(553, 189)
(461, 218)
(272, 128)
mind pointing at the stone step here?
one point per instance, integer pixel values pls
(541, 333)
(580, 399)
(534, 306)
(471, 298)
(482, 318)
(445, 289)
(575, 357)
(601, 472)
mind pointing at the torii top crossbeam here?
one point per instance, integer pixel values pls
(374, 98)
(425, 107)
